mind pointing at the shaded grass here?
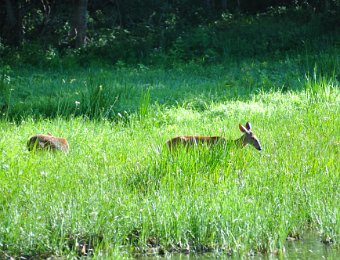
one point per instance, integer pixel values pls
(113, 93)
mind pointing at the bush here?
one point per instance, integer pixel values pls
(239, 36)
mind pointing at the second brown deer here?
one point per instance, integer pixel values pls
(47, 142)
(248, 137)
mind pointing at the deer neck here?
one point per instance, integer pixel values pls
(238, 142)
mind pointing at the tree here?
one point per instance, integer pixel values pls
(79, 24)
(13, 23)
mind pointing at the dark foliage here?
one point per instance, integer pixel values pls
(65, 33)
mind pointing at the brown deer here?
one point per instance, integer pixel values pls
(47, 142)
(247, 138)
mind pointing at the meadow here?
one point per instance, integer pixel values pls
(119, 192)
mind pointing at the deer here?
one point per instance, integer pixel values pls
(48, 142)
(248, 137)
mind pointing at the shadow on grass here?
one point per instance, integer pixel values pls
(117, 93)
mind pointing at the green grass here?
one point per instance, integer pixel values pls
(120, 192)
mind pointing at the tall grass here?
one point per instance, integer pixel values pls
(112, 93)
(120, 192)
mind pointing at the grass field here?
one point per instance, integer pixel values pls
(119, 191)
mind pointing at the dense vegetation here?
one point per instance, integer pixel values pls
(57, 34)
(151, 70)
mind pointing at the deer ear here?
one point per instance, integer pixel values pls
(243, 129)
(248, 126)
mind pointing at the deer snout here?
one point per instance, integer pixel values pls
(257, 146)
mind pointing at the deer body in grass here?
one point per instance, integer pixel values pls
(248, 137)
(47, 142)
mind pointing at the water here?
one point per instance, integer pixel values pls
(309, 247)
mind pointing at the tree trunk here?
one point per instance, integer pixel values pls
(79, 24)
(210, 4)
(224, 4)
(13, 24)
